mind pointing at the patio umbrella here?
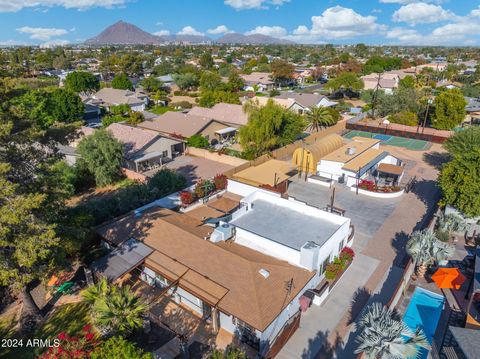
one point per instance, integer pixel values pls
(448, 278)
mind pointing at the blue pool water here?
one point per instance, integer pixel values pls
(424, 311)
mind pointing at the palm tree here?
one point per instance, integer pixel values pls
(100, 290)
(319, 117)
(383, 335)
(425, 249)
(121, 311)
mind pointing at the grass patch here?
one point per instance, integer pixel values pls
(69, 318)
(160, 110)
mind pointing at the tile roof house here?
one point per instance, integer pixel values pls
(388, 82)
(183, 125)
(107, 97)
(245, 274)
(230, 114)
(144, 149)
(262, 80)
(307, 100)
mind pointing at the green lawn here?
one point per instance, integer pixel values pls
(160, 110)
(69, 318)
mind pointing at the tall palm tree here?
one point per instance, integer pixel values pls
(121, 311)
(425, 249)
(383, 335)
(319, 117)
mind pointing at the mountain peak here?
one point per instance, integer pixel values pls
(123, 33)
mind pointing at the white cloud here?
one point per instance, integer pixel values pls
(54, 43)
(274, 31)
(422, 13)
(253, 4)
(220, 29)
(337, 23)
(189, 30)
(162, 33)
(17, 5)
(42, 33)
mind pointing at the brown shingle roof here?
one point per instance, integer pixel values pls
(177, 123)
(222, 112)
(133, 138)
(226, 272)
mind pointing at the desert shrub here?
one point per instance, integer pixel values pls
(220, 181)
(187, 197)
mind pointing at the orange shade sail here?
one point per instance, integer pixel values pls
(448, 278)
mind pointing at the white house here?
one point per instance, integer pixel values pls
(357, 160)
(245, 268)
(107, 97)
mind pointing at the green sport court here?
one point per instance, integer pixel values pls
(409, 143)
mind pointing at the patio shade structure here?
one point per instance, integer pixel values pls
(448, 278)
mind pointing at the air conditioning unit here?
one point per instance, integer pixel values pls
(222, 233)
(351, 151)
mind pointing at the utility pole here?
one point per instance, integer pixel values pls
(429, 102)
(375, 95)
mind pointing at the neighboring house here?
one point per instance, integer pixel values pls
(107, 97)
(184, 125)
(249, 273)
(473, 110)
(386, 82)
(287, 103)
(301, 75)
(230, 114)
(167, 80)
(306, 100)
(69, 151)
(145, 149)
(358, 159)
(258, 81)
(91, 112)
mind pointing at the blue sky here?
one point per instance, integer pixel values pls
(410, 22)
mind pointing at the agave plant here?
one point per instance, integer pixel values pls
(319, 117)
(121, 311)
(451, 223)
(383, 335)
(425, 249)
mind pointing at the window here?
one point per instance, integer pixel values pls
(341, 245)
(165, 154)
(323, 267)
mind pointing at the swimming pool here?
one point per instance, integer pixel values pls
(424, 311)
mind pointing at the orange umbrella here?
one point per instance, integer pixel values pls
(448, 278)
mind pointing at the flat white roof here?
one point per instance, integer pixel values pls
(288, 223)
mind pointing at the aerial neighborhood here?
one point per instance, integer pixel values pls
(257, 195)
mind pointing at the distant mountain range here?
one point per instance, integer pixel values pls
(253, 39)
(123, 33)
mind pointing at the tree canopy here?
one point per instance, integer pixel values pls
(466, 141)
(102, 155)
(186, 80)
(81, 81)
(197, 141)
(121, 82)
(345, 81)
(269, 127)
(281, 70)
(460, 182)
(449, 110)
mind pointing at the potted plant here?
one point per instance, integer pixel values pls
(220, 181)
(186, 197)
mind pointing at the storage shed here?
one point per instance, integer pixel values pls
(306, 158)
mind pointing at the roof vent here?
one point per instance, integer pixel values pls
(351, 151)
(265, 273)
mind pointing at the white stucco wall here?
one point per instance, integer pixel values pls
(245, 190)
